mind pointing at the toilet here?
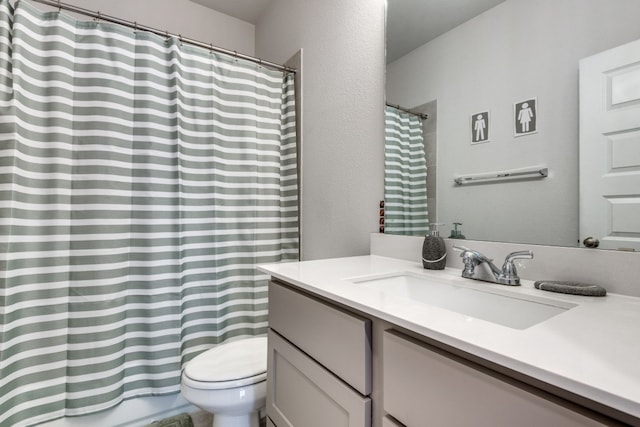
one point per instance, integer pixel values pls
(229, 381)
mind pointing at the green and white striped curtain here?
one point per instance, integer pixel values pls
(141, 181)
(405, 178)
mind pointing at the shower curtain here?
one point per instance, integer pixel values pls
(405, 178)
(141, 181)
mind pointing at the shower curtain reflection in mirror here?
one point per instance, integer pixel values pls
(405, 180)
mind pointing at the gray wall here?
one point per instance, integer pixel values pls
(517, 50)
(343, 99)
(342, 115)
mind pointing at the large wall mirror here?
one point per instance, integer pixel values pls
(509, 68)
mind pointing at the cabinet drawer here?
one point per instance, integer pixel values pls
(337, 340)
(301, 393)
(388, 422)
(425, 386)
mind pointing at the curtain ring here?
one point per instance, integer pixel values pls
(135, 27)
(166, 35)
(59, 6)
(180, 38)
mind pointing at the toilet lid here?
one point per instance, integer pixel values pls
(230, 361)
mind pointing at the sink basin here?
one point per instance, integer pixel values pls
(507, 309)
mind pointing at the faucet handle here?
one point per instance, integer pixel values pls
(509, 271)
(470, 259)
(461, 248)
(518, 255)
(470, 254)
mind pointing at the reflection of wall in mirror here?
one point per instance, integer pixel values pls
(430, 133)
(517, 50)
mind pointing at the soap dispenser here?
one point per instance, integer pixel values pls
(434, 251)
(456, 233)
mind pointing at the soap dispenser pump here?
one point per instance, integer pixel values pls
(434, 251)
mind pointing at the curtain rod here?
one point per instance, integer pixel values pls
(406, 110)
(99, 16)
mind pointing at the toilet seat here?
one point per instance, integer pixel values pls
(234, 364)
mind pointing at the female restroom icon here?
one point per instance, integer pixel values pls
(526, 117)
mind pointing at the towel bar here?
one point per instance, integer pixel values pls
(534, 173)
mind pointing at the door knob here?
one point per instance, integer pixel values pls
(591, 242)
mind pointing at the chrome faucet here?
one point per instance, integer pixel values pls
(508, 275)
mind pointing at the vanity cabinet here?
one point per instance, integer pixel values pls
(388, 422)
(319, 363)
(424, 385)
(329, 365)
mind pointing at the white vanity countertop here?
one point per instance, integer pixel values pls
(592, 350)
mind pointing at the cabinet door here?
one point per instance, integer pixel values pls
(424, 386)
(301, 393)
(339, 341)
(388, 422)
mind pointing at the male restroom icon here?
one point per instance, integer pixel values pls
(479, 127)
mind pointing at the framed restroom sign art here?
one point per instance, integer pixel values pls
(480, 127)
(525, 117)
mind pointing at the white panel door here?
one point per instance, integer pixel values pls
(610, 147)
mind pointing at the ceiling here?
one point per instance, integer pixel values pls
(245, 10)
(410, 23)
